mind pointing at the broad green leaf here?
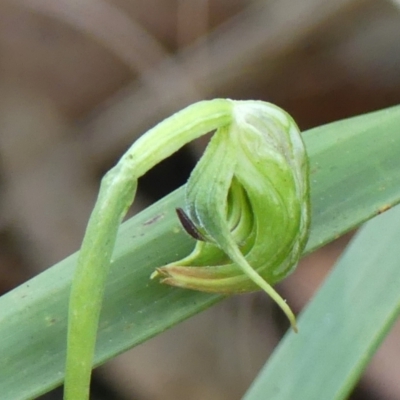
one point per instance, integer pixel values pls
(343, 325)
(355, 173)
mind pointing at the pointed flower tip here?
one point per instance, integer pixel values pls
(155, 274)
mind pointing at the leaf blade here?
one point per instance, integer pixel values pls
(33, 316)
(344, 323)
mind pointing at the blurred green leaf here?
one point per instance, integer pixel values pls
(355, 173)
(343, 325)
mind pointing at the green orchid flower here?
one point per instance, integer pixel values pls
(248, 201)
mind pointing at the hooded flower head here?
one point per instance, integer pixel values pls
(248, 201)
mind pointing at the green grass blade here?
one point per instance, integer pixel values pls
(354, 173)
(344, 323)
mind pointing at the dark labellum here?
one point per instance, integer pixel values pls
(188, 225)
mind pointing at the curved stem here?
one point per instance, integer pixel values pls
(88, 284)
(117, 193)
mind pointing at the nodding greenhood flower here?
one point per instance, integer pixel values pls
(247, 204)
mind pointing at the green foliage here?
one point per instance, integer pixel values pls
(344, 324)
(354, 175)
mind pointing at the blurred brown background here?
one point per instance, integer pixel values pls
(80, 80)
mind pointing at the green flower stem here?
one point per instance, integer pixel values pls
(116, 195)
